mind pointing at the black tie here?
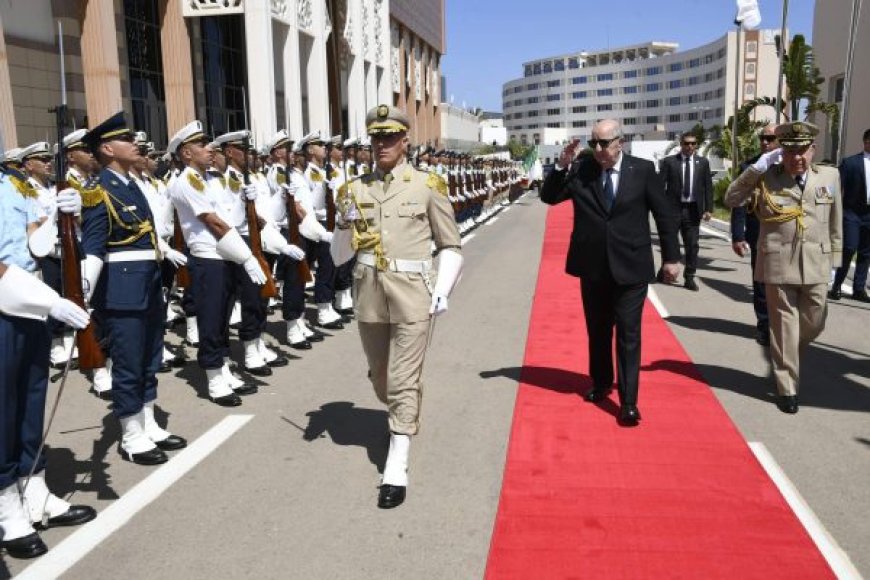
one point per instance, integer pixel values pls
(687, 179)
(609, 193)
(800, 181)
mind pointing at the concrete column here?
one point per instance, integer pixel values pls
(356, 105)
(293, 84)
(177, 66)
(8, 131)
(318, 85)
(100, 64)
(261, 77)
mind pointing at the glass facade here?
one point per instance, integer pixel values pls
(224, 66)
(145, 61)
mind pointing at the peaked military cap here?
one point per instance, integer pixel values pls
(350, 142)
(313, 138)
(279, 139)
(11, 155)
(385, 119)
(75, 140)
(236, 138)
(110, 129)
(38, 149)
(190, 133)
(796, 134)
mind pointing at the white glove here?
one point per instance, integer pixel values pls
(92, 266)
(768, 160)
(252, 267)
(69, 313)
(69, 201)
(326, 236)
(439, 305)
(177, 258)
(250, 192)
(351, 215)
(294, 252)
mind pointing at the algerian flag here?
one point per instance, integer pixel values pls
(748, 14)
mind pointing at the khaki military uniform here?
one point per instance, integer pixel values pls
(799, 242)
(392, 281)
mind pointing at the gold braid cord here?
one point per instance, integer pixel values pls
(780, 213)
(24, 187)
(363, 238)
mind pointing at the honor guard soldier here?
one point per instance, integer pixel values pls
(25, 303)
(390, 219)
(206, 213)
(121, 273)
(799, 205)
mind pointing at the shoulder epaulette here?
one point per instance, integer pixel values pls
(281, 178)
(435, 183)
(316, 176)
(195, 181)
(234, 182)
(92, 193)
(24, 187)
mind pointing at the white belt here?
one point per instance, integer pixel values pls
(132, 256)
(397, 265)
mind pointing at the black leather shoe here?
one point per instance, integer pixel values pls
(104, 395)
(629, 416)
(246, 390)
(391, 496)
(153, 457)
(231, 400)
(281, 361)
(690, 284)
(171, 443)
(835, 293)
(787, 404)
(263, 371)
(345, 311)
(304, 345)
(316, 337)
(165, 367)
(74, 516)
(178, 361)
(29, 546)
(597, 394)
(861, 297)
(762, 337)
(334, 325)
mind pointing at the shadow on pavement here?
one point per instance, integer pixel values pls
(63, 470)
(349, 425)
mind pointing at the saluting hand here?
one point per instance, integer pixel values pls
(569, 153)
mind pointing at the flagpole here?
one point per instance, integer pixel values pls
(734, 152)
(847, 78)
(783, 43)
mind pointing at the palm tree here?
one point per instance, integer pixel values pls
(802, 76)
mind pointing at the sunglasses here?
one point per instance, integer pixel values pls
(604, 143)
(768, 138)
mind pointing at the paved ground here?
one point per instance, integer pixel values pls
(291, 494)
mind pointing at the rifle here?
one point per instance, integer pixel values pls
(293, 235)
(328, 194)
(269, 289)
(182, 274)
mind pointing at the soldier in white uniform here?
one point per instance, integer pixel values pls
(390, 219)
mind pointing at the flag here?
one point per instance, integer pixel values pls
(748, 14)
(530, 159)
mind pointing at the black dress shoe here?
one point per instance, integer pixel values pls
(246, 390)
(104, 395)
(690, 284)
(304, 345)
(316, 337)
(152, 457)
(165, 367)
(391, 496)
(29, 546)
(263, 371)
(281, 361)
(74, 516)
(597, 394)
(231, 400)
(334, 325)
(861, 297)
(178, 361)
(787, 404)
(171, 443)
(835, 293)
(629, 416)
(345, 312)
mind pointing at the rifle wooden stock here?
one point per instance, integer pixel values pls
(90, 354)
(268, 290)
(329, 196)
(295, 238)
(182, 274)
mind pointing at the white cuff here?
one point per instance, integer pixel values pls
(24, 295)
(311, 228)
(162, 246)
(341, 248)
(449, 272)
(43, 240)
(233, 248)
(273, 241)
(91, 268)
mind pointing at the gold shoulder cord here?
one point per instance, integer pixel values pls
(363, 238)
(23, 187)
(92, 196)
(780, 214)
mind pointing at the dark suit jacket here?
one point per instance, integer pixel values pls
(854, 183)
(702, 181)
(615, 243)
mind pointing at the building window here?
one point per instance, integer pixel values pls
(536, 68)
(629, 74)
(652, 119)
(653, 87)
(693, 98)
(554, 125)
(578, 95)
(604, 92)
(675, 118)
(693, 116)
(749, 70)
(675, 84)
(555, 97)
(578, 124)
(629, 105)
(518, 89)
(554, 111)
(708, 58)
(519, 115)
(751, 49)
(674, 101)
(548, 67)
(142, 24)
(559, 65)
(581, 109)
(653, 70)
(653, 103)
(708, 77)
(532, 113)
(720, 73)
(695, 63)
(629, 121)
(554, 83)
(839, 85)
(630, 90)
(532, 100)
(532, 87)
(604, 107)
(749, 90)
(605, 77)
(224, 66)
(573, 63)
(579, 80)
(675, 67)
(528, 71)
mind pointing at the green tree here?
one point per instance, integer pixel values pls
(802, 76)
(518, 150)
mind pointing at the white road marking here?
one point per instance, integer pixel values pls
(492, 221)
(654, 298)
(715, 233)
(77, 545)
(507, 209)
(467, 239)
(837, 559)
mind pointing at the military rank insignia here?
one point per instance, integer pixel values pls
(406, 177)
(435, 183)
(282, 179)
(824, 195)
(235, 184)
(195, 181)
(316, 177)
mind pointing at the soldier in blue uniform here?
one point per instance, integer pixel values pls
(25, 303)
(122, 278)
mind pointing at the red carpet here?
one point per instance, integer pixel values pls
(680, 496)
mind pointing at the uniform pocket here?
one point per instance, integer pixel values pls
(410, 210)
(771, 247)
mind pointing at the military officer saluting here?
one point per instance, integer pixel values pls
(121, 273)
(799, 205)
(389, 219)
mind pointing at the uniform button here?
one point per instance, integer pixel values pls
(386, 215)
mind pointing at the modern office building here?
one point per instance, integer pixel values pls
(655, 90)
(299, 64)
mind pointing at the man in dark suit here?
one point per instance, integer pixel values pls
(854, 177)
(611, 252)
(688, 182)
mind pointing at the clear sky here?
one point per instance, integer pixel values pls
(488, 40)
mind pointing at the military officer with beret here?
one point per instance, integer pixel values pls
(389, 219)
(799, 205)
(122, 279)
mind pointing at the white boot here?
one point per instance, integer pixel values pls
(40, 502)
(133, 438)
(171, 314)
(232, 380)
(102, 382)
(396, 468)
(295, 334)
(152, 430)
(236, 314)
(217, 384)
(327, 316)
(13, 519)
(168, 357)
(344, 299)
(267, 353)
(304, 328)
(253, 359)
(192, 331)
(58, 354)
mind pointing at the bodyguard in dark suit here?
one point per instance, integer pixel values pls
(689, 183)
(611, 252)
(854, 177)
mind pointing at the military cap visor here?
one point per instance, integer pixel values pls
(384, 120)
(112, 129)
(796, 135)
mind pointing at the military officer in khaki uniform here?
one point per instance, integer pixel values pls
(389, 219)
(799, 205)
